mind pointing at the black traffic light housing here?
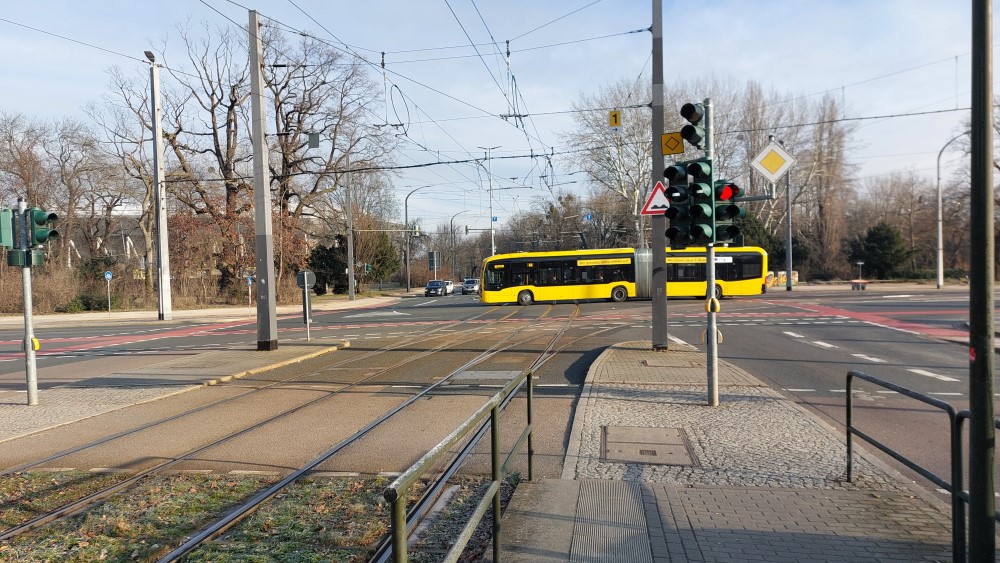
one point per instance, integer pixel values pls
(694, 131)
(679, 212)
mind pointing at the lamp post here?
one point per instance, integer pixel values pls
(406, 225)
(859, 263)
(164, 312)
(940, 233)
(489, 176)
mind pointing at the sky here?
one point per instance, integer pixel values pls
(877, 57)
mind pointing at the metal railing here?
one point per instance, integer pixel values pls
(954, 488)
(960, 419)
(396, 493)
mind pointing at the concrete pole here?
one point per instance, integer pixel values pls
(350, 237)
(163, 302)
(267, 322)
(788, 228)
(658, 238)
(489, 176)
(940, 214)
(30, 369)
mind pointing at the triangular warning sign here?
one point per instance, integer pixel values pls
(657, 202)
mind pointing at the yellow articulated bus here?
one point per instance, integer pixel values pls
(618, 274)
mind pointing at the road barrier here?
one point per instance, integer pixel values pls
(396, 493)
(955, 488)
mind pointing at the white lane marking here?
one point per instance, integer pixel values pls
(946, 394)
(887, 392)
(869, 358)
(801, 390)
(793, 334)
(823, 344)
(931, 374)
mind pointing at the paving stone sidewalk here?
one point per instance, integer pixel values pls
(757, 478)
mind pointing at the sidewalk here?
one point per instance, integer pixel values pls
(105, 392)
(654, 474)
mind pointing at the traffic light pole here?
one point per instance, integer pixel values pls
(711, 303)
(30, 370)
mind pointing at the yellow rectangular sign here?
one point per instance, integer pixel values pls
(671, 143)
(685, 259)
(614, 118)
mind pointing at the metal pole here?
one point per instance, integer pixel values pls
(658, 238)
(788, 228)
(495, 472)
(982, 526)
(940, 215)
(406, 233)
(711, 340)
(30, 370)
(350, 237)
(489, 176)
(267, 322)
(164, 308)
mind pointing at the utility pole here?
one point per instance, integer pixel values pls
(658, 238)
(489, 175)
(267, 321)
(30, 367)
(788, 228)
(350, 237)
(982, 434)
(164, 312)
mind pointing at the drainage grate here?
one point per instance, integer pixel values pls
(634, 444)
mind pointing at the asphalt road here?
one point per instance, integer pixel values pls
(802, 343)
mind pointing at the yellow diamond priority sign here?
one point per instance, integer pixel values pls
(773, 162)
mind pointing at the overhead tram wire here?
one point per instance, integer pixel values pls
(555, 20)
(510, 106)
(370, 63)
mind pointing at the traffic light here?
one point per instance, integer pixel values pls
(727, 211)
(39, 226)
(679, 212)
(702, 201)
(694, 132)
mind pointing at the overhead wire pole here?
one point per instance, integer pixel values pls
(489, 176)
(163, 302)
(267, 322)
(658, 238)
(982, 433)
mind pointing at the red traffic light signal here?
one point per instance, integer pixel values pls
(726, 190)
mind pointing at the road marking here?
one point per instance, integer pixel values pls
(793, 334)
(888, 392)
(869, 358)
(931, 374)
(823, 344)
(946, 394)
(801, 390)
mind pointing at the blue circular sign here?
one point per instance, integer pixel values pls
(107, 275)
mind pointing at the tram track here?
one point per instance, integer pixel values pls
(88, 501)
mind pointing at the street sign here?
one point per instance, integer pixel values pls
(671, 143)
(614, 118)
(249, 281)
(773, 162)
(107, 275)
(657, 202)
(305, 279)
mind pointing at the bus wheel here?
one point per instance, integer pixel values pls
(619, 294)
(525, 298)
(718, 292)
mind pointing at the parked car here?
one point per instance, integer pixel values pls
(435, 287)
(470, 285)
(449, 287)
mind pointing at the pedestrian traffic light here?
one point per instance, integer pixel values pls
(39, 226)
(8, 226)
(368, 267)
(702, 204)
(680, 205)
(727, 211)
(694, 131)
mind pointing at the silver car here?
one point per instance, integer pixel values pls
(470, 285)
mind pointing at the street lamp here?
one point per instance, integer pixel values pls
(164, 308)
(406, 225)
(940, 235)
(860, 263)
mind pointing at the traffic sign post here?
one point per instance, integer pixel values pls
(107, 278)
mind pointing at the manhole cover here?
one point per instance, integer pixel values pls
(637, 444)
